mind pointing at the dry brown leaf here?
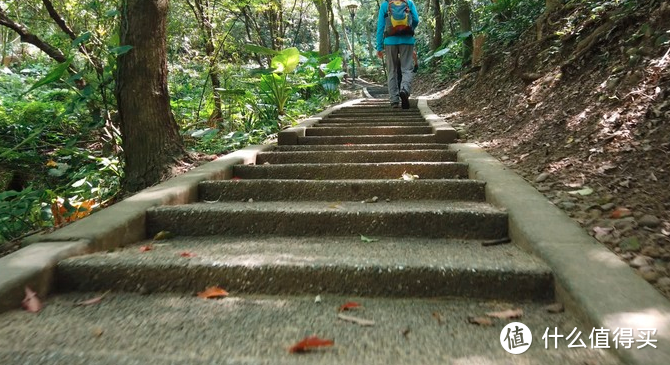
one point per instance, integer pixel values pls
(309, 343)
(187, 254)
(31, 302)
(146, 248)
(213, 292)
(482, 321)
(438, 317)
(507, 314)
(360, 321)
(97, 331)
(91, 301)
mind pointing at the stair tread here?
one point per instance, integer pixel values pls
(250, 329)
(394, 253)
(341, 207)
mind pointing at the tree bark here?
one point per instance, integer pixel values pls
(324, 27)
(464, 13)
(151, 140)
(439, 26)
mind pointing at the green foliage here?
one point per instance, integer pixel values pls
(22, 212)
(505, 20)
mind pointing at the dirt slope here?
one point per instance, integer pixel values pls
(585, 117)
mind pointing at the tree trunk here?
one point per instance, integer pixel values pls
(151, 140)
(439, 26)
(463, 13)
(324, 27)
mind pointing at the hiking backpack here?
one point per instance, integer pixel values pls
(398, 19)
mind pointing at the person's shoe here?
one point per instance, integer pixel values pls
(404, 98)
(395, 105)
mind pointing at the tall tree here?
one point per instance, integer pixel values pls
(464, 14)
(151, 140)
(439, 25)
(202, 10)
(324, 27)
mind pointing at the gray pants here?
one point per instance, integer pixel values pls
(399, 56)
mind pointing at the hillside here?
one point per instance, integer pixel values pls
(583, 113)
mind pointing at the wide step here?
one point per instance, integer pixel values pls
(389, 267)
(349, 139)
(331, 171)
(355, 156)
(159, 329)
(367, 131)
(352, 147)
(341, 190)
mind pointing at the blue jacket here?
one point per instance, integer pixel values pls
(394, 40)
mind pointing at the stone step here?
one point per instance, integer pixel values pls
(182, 329)
(389, 267)
(362, 147)
(373, 124)
(341, 190)
(406, 138)
(373, 119)
(367, 131)
(370, 156)
(425, 218)
(376, 112)
(339, 171)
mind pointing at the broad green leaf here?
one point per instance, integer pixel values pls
(81, 39)
(260, 49)
(333, 66)
(286, 61)
(52, 76)
(79, 183)
(120, 50)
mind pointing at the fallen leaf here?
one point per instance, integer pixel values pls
(31, 302)
(309, 343)
(213, 292)
(146, 248)
(163, 235)
(507, 314)
(187, 254)
(438, 317)
(97, 332)
(482, 321)
(335, 206)
(582, 192)
(51, 163)
(405, 332)
(360, 321)
(235, 178)
(317, 300)
(91, 301)
(349, 306)
(621, 213)
(555, 308)
(374, 199)
(348, 144)
(368, 240)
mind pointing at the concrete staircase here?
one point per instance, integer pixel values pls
(330, 216)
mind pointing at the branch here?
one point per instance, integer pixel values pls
(28, 37)
(58, 19)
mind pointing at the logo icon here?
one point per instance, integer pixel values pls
(516, 338)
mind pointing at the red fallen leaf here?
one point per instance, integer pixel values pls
(31, 302)
(309, 343)
(146, 248)
(621, 212)
(187, 254)
(507, 314)
(349, 306)
(348, 144)
(213, 292)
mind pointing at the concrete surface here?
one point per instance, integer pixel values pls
(369, 156)
(341, 190)
(390, 266)
(403, 138)
(380, 146)
(423, 218)
(366, 131)
(132, 329)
